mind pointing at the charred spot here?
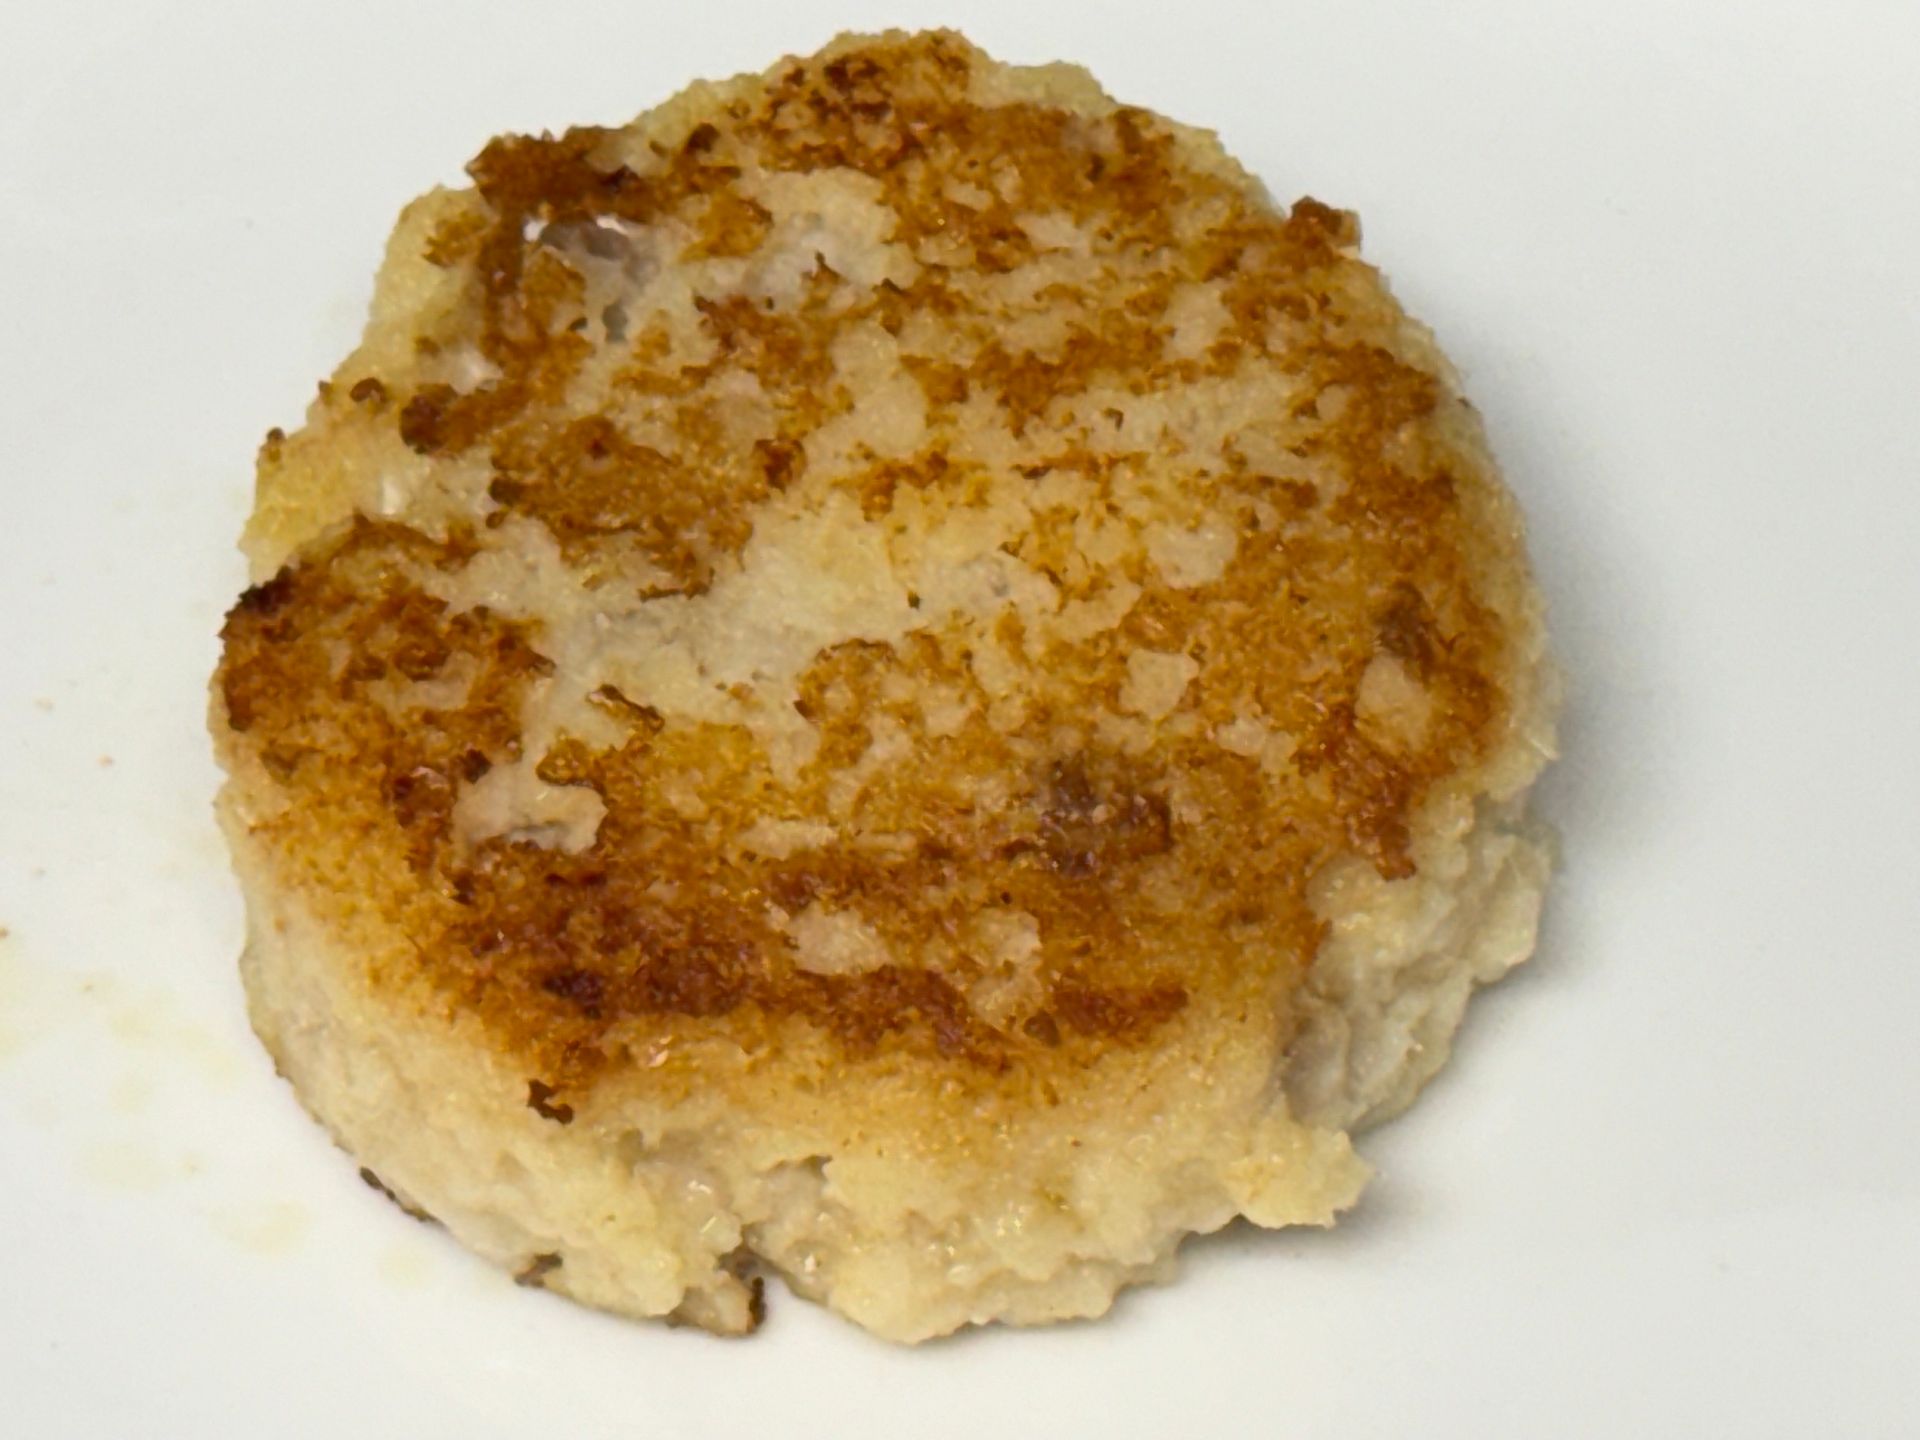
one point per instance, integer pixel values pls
(701, 980)
(613, 698)
(567, 762)
(420, 654)
(1121, 341)
(880, 483)
(943, 382)
(1373, 792)
(259, 633)
(585, 990)
(702, 138)
(1300, 494)
(1406, 629)
(540, 1100)
(555, 179)
(864, 1009)
(779, 460)
(282, 760)
(1224, 261)
(368, 391)
(362, 668)
(421, 800)
(794, 889)
(859, 82)
(530, 295)
(1026, 383)
(1312, 224)
(423, 419)
(1385, 394)
(732, 225)
(452, 241)
(268, 598)
(473, 765)
(1042, 1027)
(781, 350)
(1118, 1012)
(1086, 829)
(840, 73)
(588, 482)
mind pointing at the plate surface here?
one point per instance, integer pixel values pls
(1671, 1184)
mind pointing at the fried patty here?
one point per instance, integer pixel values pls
(886, 674)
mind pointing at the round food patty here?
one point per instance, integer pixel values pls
(885, 675)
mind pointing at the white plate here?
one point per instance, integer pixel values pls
(1669, 1187)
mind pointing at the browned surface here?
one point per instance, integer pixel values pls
(663, 926)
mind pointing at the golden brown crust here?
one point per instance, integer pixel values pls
(1048, 880)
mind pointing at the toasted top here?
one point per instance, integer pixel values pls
(900, 561)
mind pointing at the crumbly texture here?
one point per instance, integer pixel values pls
(886, 674)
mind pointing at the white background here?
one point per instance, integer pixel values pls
(1669, 1187)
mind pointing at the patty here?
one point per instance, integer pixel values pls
(886, 675)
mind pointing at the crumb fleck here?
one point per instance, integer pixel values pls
(536, 1270)
(374, 1182)
(540, 1101)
